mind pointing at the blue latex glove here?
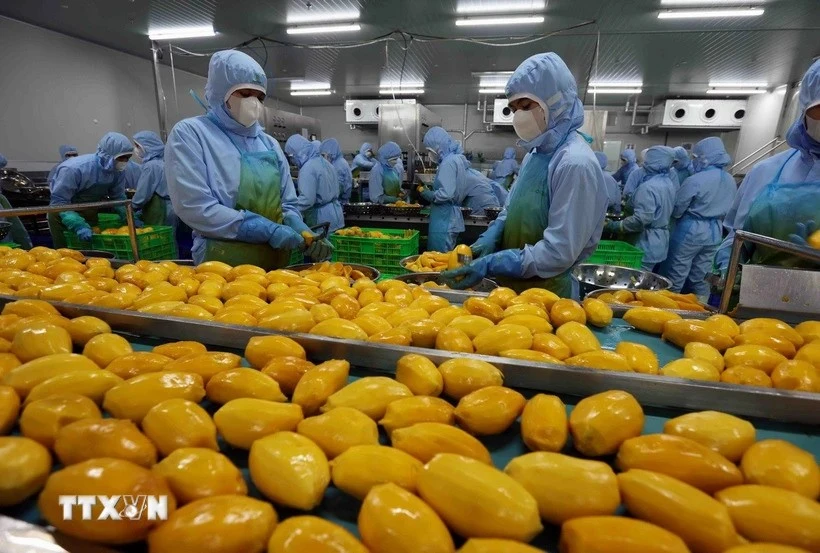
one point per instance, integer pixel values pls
(507, 263)
(120, 210)
(320, 250)
(84, 233)
(138, 222)
(612, 226)
(389, 199)
(294, 221)
(428, 195)
(73, 220)
(488, 241)
(804, 230)
(255, 229)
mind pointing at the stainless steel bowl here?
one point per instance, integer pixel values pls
(5, 228)
(361, 208)
(369, 272)
(492, 213)
(485, 285)
(426, 178)
(611, 277)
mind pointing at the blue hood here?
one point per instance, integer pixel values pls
(658, 160)
(797, 137)
(151, 144)
(66, 149)
(331, 148)
(602, 159)
(628, 156)
(301, 149)
(365, 147)
(509, 153)
(111, 146)
(438, 140)
(388, 150)
(228, 69)
(682, 160)
(710, 152)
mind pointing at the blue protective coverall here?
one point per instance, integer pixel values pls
(385, 179)
(505, 170)
(447, 195)
(700, 205)
(66, 151)
(151, 196)
(363, 162)
(231, 183)
(628, 165)
(682, 164)
(653, 202)
(555, 212)
(613, 193)
(780, 196)
(330, 148)
(89, 178)
(479, 193)
(318, 184)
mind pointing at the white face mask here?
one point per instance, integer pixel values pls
(245, 111)
(813, 128)
(138, 155)
(120, 166)
(432, 155)
(393, 161)
(530, 124)
(368, 153)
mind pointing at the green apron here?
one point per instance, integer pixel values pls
(155, 212)
(55, 223)
(527, 219)
(260, 191)
(391, 183)
(507, 182)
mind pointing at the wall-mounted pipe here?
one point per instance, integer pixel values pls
(162, 109)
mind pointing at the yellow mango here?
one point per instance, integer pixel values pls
(136, 396)
(8, 361)
(322, 312)
(501, 296)
(175, 350)
(261, 349)
(615, 534)
(471, 325)
(551, 345)
(724, 324)
(394, 520)
(649, 319)
(402, 297)
(370, 295)
(319, 383)
(382, 309)
(236, 317)
(207, 365)
(242, 382)
(705, 352)
(767, 514)
(371, 324)
(91, 383)
(177, 423)
(289, 469)
(453, 339)
(600, 359)
(691, 369)
(104, 348)
(242, 524)
(287, 371)
(796, 375)
(484, 308)
(641, 358)
(339, 328)
(406, 315)
(750, 355)
(489, 410)
(423, 334)
(9, 409)
(578, 337)
(42, 419)
(720, 432)
(602, 422)
(701, 521)
(408, 411)
(566, 487)
(544, 424)
(529, 355)
(534, 323)
(682, 331)
(242, 421)
(746, 376)
(503, 337)
(339, 429)
(526, 309)
(40, 340)
(490, 545)
(309, 533)
(780, 464)
(541, 295)
(169, 293)
(477, 500)
(187, 311)
(598, 313)
(810, 353)
(425, 440)
(362, 467)
(420, 375)
(430, 303)
(808, 330)
(113, 301)
(82, 329)
(464, 375)
(765, 548)
(95, 438)
(23, 378)
(370, 395)
(27, 308)
(566, 310)
(194, 473)
(24, 466)
(448, 314)
(136, 363)
(680, 458)
(209, 303)
(655, 299)
(777, 342)
(345, 306)
(217, 267)
(59, 292)
(772, 326)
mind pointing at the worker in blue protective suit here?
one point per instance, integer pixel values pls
(479, 193)
(385, 180)
(682, 164)
(613, 193)
(88, 178)
(151, 196)
(333, 153)
(555, 212)
(700, 205)
(447, 193)
(318, 197)
(66, 151)
(780, 196)
(505, 170)
(628, 165)
(652, 204)
(364, 160)
(229, 181)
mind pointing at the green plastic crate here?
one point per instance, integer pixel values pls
(615, 252)
(74, 243)
(297, 257)
(383, 254)
(108, 220)
(11, 245)
(154, 245)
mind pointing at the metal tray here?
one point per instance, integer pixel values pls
(466, 211)
(611, 277)
(492, 213)
(369, 272)
(486, 285)
(361, 208)
(404, 211)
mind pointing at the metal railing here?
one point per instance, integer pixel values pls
(40, 210)
(757, 155)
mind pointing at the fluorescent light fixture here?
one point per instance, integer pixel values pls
(402, 86)
(491, 91)
(633, 84)
(318, 29)
(615, 90)
(400, 91)
(736, 91)
(320, 17)
(703, 3)
(505, 20)
(503, 7)
(781, 89)
(738, 85)
(311, 92)
(309, 86)
(695, 14)
(181, 32)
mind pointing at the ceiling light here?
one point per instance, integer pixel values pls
(736, 91)
(491, 91)
(400, 91)
(632, 84)
(708, 2)
(738, 85)
(181, 32)
(615, 90)
(319, 17)
(318, 29)
(309, 86)
(311, 92)
(401, 85)
(691, 14)
(510, 6)
(507, 20)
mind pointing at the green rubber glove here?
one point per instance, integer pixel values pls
(73, 221)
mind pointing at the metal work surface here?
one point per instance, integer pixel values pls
(424, 220)
(656, 391)
(790, 292)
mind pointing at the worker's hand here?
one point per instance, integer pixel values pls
(285, 238)
(802, 232)
(467, 276)
(402, 195)
(138, 222)
(320, 250)
(84, 233)
(428, 195)
(612, 226)
(485, 245)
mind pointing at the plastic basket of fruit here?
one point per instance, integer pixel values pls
(428, 262)
(433, 280)
(615, 252)
(402, 209)
(152, 242)
(382, 249)
(108, 221)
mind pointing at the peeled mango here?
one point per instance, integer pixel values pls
(177, 423)
(340, 328)
(484, 308)
(393, 520)
(566, 487)
(502, 337)
(691, 369)
(640, 358)
(24, 468)
(39, 341)
(261, 349)
(726, 434)
(615, 534)
(175, 350)
(810, 353)
(411, 410)
(598, 313)
(772, 326)
(371, 395)
(699, 350)
(602, 422)
(796, 375)
(95, 438)
(578, 337)
(29, 307)
(649, 319)
(755, 356)
(103, 477)
(747, 376)
(194, 473)
(360, 468)
(464, 375)
(477, 500)
(242, 421)
(767, 514)
(544, 425)
(427, 439)
(300, 534)
(242, 382)
(490, 545)
(530, 355)
(319, 383)
(9, 409)
(136, 396)
(287, 371)
(681, 332)
(340, 429)
(91, 383)
(777, 342)
(680, 458)
(551, 345)
(24, 378)
(471, 325)
(780, 464)
(420, 375)
(565, 310)
(221, 524)
(137, 363)
(289, 469)
(454, 339)
(206, 365)
(701, 521)
(600, 359)
(490, 410)
(41, 420)
(533, 322)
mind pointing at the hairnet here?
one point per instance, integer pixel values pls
(365, 147)
(602, 159)
(331, 148)
(628, 155)
(388, 150)
(658, 160)
(66, 149)
(111, 146)
(710, 152)
(797, 136)
(438, 139)
(509, 153)
(682, 156)
(228, 70)
(151, 144)
(301, 149)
